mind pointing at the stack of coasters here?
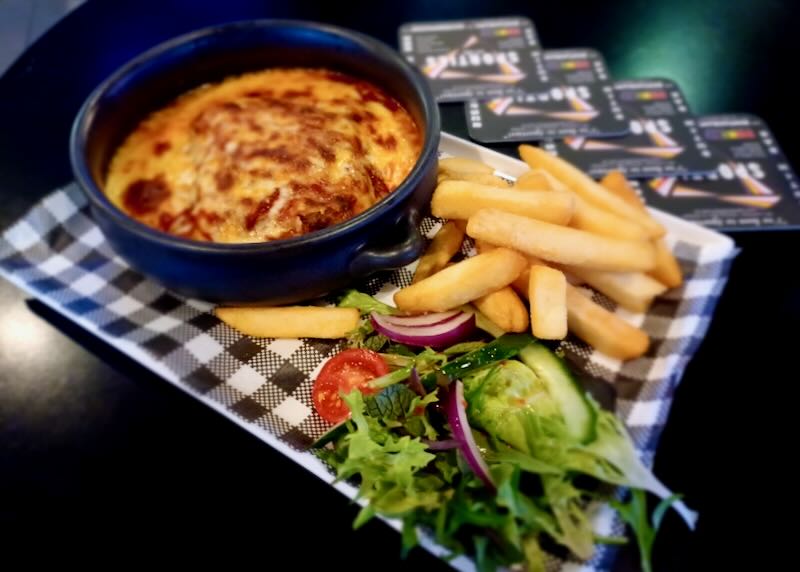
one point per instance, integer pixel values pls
(664, 139)
(723, 171)
(573, 97)
(752, 186)
(465, 59)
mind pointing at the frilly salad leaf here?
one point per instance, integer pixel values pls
(426, 362)
(365, 337)
(365, 303)
(389, 466)
(399, 477)
(522, 434)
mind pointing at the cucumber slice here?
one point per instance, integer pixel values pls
(504, 347)
(578, 411)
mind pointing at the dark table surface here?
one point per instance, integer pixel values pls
(97, 452)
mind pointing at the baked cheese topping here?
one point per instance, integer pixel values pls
(264, 156)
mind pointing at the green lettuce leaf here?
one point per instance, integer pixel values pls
(463, 348)
(425, 361)
(534, 555)
(388, 465)
(390, 378)
(534, 461)
(365, 337)
(507, 397)
(502, 453)
(410, 539)
(634, 512)
(616, 461)
(567, 503)
(365, 303)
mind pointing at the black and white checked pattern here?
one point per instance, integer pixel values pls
(59, 255)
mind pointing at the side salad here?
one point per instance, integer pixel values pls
(490, 445)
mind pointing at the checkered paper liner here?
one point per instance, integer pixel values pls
(57, 254)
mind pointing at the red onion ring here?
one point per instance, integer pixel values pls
(457, 417)
(439, 335)
(415, 384)
(442, 445)
(421, 319)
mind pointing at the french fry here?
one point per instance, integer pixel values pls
(631, 290)
(484, 246)
(603, 330)
(560, 244)
(616, 182)
(547, 292)
(667, 270)
(587, 188)
(554, 184)
(572, 279)
(520, 285)
(594, 324)
(462, 282)
(505, 309)
(461, 199)
(464, 165)
(522, 282)
(535, 180)
(441, 249)
(482, 178)
(599, 221)
(290, 321)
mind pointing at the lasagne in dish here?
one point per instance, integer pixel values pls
(264, 156)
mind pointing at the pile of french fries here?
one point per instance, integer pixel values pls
(541, 238)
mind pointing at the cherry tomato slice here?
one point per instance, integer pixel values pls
(344, 372)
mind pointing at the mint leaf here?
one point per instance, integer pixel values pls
(391, 403)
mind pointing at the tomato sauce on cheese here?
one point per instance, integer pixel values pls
(264, 156)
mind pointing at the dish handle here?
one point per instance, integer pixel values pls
(394, 254)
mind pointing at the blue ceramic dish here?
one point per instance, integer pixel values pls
(278, 272)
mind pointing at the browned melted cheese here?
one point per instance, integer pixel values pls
(264, 156)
